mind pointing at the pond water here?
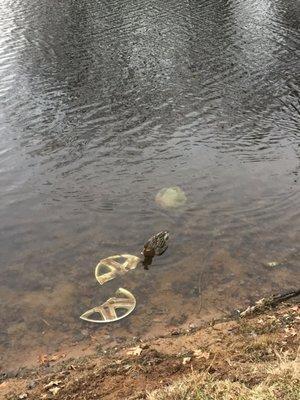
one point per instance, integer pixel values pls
(103, 104)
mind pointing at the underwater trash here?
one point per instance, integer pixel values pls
(273, 264)
(110, 267)
(113, 308)
(171, 197)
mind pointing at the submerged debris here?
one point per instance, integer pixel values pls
(172, 197)
(110, 267)
(272, 264)
(112, 309)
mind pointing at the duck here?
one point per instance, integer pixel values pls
(156, 245)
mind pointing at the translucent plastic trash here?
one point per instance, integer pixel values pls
(172, 197)
(110, 267)
(113, 309)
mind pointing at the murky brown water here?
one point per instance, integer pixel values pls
(104, 103)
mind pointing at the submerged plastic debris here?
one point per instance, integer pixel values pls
(113, 309)
(110, 267)
(273, 264)
(124, 302)
(171, 197)
(118, 307)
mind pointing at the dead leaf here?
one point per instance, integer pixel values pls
(56, 357)
(186, 360)
(135, 351)
(293, 332)
(51, 384)
(43, 359)
(201, 354)
(54, 390)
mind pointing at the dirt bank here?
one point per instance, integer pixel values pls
(234, 356)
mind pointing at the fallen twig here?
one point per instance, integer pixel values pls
(267, 302)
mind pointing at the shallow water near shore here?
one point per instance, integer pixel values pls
(102, 104)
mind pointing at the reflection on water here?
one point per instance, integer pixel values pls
(105, 103)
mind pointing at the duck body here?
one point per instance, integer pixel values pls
(156, 245)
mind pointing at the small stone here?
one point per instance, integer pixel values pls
(23, 396)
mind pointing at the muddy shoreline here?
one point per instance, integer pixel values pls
(225, 349)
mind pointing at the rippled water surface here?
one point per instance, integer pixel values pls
(102, 104)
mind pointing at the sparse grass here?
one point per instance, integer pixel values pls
(261, 349)
(279, 381)
(266, 327)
